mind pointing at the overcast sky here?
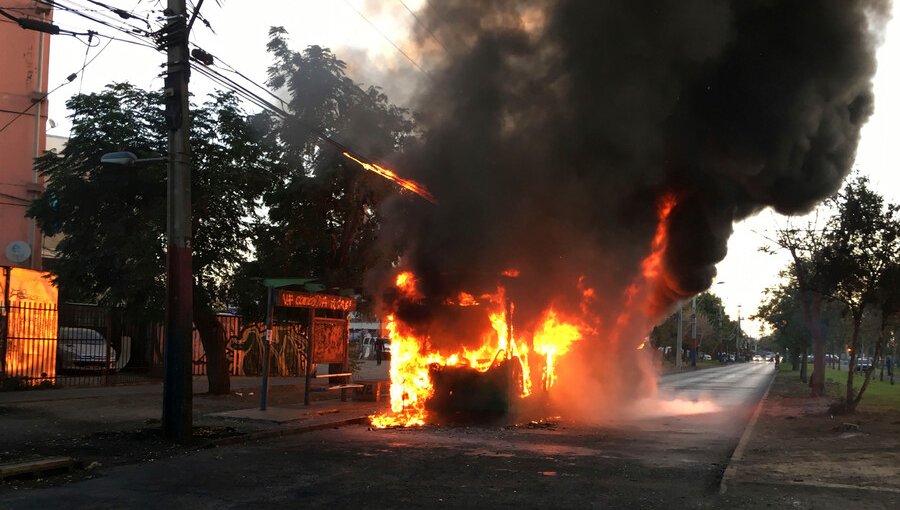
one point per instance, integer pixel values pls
(241, 32)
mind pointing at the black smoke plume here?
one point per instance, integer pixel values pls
(551, 129)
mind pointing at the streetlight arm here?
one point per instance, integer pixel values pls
(126, 159)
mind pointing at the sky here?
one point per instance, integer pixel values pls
(241, 32)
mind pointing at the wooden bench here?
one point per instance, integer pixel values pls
(345, 386)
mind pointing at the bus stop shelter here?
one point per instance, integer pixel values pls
(325, 319)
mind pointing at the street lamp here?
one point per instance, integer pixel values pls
(177, 381)
(125, 159)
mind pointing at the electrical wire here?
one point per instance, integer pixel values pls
(388, 39)
(423, 25)
(242, 91)
(230, 68)
(69, 79)
(115, 24)
(80, 72)
(86, 51)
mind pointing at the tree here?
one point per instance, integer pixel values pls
(804, 246)
(710, 306)
(112, 219)
(860, 253)
(888, 304)
(713, 325)
(323, 217)
(783, 311)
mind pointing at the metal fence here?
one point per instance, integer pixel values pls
(29, 343)
(74, 345)
(88, 345)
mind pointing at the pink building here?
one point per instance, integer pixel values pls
(24, 57)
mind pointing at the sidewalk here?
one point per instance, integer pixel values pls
(121, 424)
(799, 455)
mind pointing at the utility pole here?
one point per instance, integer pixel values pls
(737, 336)
(694, 331)
(678, 335)
(177, 380)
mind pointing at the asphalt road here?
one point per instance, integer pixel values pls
(657, 458)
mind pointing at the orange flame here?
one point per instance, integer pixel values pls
(411, 385)
(464, 299)
(652, 265)
(406, 284)
(410, 185)
(552, 337)
(31, 345)
(552, 340)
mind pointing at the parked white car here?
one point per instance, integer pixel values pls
(85, 349)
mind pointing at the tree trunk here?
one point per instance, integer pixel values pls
(879, 350)
(851, 364)
(212, 336)
(869, 372)
(803, 364)
(881, 337)
(814, 315)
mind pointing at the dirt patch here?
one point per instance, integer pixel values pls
(797, 441)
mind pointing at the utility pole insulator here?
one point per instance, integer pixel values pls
(202, 56)
(39, 26)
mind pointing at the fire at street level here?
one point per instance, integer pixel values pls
(477, 381)
(601, 151)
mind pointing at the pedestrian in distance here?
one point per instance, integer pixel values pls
(379, 350)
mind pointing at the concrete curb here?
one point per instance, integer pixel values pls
(287, 431)
(738, 452)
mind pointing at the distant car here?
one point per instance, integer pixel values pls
(863, 365)
(85, 349)
(366, 348)
(757, 357)
(386, 353)
(707, 357)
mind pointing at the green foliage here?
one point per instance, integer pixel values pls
(854, 261)
(782, 309)
(112, 218)
(322, 208)
(861, 247)
(714, 327)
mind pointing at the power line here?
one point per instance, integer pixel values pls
(388, 39)
(72, 76)
(69, 79)
(115, 24)
(86, 51)
(212, 74)
(423, 25)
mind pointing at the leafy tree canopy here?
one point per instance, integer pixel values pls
(112, 218)
(322, 208)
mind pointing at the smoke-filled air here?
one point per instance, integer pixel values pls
(588, 160)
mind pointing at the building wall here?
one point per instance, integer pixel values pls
(23, 81)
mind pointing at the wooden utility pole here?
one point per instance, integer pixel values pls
(694, 345)
(177, 381)
(678, 337)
